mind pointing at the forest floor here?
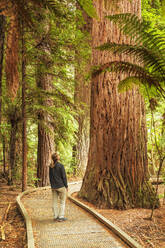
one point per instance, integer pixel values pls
(13, 229)
(133, 221)
(136, 223)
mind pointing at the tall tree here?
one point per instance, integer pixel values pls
(82, 101)
(19, 10)
(45, 127)
(82, 98)
(24, 118)
(51, 64)
(45, 130)
(2, 37)
(2, 32)
(117, 169)
(14, 118)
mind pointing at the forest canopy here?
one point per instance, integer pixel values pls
(50, 100)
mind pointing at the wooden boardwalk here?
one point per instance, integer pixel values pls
(81, 230)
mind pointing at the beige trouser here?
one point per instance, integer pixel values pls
(59, 209)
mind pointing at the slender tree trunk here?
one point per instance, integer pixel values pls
(24, 118)
(45, 136)
(12, 56)
(4, 154)
(12, 151)
(45, 122)
(82, 101)
(117, 170)
(2, 37)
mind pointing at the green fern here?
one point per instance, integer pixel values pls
(135, 28)
(88, 7)
(148, 50)
(128, 83)
(142, 54)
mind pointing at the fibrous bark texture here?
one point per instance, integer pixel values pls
(82, 96)
(82, 101)
(12, 58)
(2, 32)
(45, 126)
(14, 120)
(117, 170)
(24, 117)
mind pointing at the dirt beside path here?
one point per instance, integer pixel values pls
(150, 234)
(13, 229)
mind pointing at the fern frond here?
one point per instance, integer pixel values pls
(131, 70)
(135, 28)
(88, 7)
(129, 24)
(142, 55)
(148, 48)
(57, 7)
(120, 66)
(128, 83)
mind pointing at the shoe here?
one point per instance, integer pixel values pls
(62, 219)
(56, 219)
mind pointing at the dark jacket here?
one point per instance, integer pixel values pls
(57, 176)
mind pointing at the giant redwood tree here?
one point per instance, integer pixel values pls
(117, 170)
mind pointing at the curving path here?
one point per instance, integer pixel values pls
(81, 230)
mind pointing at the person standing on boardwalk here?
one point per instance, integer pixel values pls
(59, 186)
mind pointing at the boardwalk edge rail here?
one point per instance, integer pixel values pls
(30, 238)
(123, 236)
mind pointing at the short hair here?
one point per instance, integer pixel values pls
(55, 156)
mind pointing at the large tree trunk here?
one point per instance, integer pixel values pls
(117, 171)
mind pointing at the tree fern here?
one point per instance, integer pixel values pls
(148, 50)
(135, 28)
(142, 54)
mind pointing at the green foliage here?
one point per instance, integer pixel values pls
(151, 13)
(68, 46)
(128, 83)
(87, 5)
(156, 134)
(163, 8)
(67, 50)
(148, 50)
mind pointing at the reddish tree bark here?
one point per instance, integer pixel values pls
(45, 122)
(24, 118)
(2, 38)
(2, 32)
(117, 170)
(82, 101)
